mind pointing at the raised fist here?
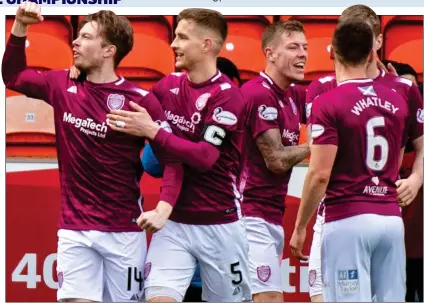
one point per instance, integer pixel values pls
(29, 13)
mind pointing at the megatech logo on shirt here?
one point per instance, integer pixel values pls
(87, 125)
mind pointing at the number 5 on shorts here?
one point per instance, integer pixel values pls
(236, 272)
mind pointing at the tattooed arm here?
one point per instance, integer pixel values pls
(279, 158)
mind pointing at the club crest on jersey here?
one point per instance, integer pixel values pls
(293, 105)
(264, 272)
(224, 117)
(115, 101)
(312, 277)
(147, 269)
(420, 115)
(202, 100)
(267, 113)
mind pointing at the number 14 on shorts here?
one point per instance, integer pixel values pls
(347, 280)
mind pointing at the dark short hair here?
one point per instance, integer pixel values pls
(115, 30)
(228, 68)
(275, 30)
(353, 42)
(207, 18)
(402, 68)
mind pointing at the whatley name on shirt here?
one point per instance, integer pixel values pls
(87, 125)
(372, 101)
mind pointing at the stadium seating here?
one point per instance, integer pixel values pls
(403, 41)
(151, 59)
(58, 27)
(29, 121)
(243, 45)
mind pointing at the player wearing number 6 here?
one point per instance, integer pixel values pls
(407, 188)
(358, 133)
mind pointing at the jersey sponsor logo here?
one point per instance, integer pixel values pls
(202, 100)
(316, 130)
(347, 281)
(115, 101)
(293, 105)
(224, 117)
(293, 137)
(375, 190)
(372, 101)
(267, 113)
(87, 125)
(420, 115)
(263, 272)
(182, 123)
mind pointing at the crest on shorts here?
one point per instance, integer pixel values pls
(115, 101)
(147, 268)
(312, 277)
(60, 279)
(264, 272)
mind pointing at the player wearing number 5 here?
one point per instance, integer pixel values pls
(206, 111)
(358, 133)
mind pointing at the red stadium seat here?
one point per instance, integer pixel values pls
(325, 18)
(44, 51)
(385, 20)
(29, 121)
(246, 53)
(243, 44)
(403, 42)
(57, 26)
(151, 59)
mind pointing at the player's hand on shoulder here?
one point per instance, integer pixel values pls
(407, 190)
(29, 13)
(74, 73)
(155, 220)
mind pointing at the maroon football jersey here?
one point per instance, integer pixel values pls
(196, 112)
(366, 120)
(269, 107)
(99, 168)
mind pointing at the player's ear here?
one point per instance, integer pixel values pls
(207, 45)
(269, 54)
(109, 51)
(378, 42)
(331, 52)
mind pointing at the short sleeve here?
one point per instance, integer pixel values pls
(416, 113)
(323, 122)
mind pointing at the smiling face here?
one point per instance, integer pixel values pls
(289, 54)
(188, 44)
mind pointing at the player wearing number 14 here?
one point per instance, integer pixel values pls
(358, 131)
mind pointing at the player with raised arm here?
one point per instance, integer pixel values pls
(275, 113)
(358, 132)
(101, 249)
(407, 188)
(207, 114)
